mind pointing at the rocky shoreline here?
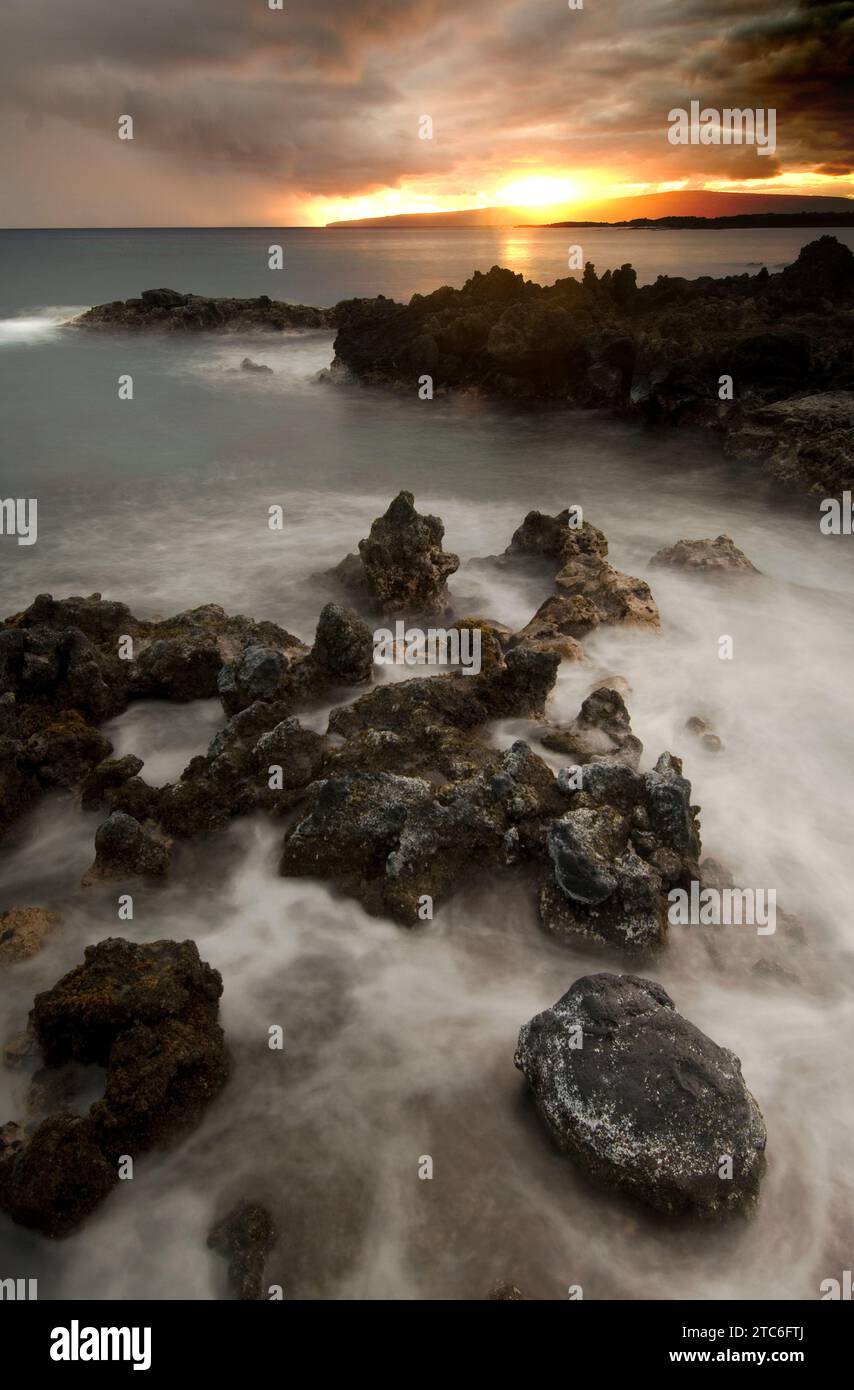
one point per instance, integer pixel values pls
(403, 800)
(764, 360)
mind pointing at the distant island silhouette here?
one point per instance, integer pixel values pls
(742, 221)
(681, 210)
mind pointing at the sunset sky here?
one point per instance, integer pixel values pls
(249, 116)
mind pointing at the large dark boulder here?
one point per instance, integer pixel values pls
(642, 1100)
(64, 753)
(119, 986)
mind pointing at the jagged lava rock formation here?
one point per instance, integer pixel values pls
(148, 1015)
(401, 566)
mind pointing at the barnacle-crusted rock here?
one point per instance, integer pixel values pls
(807, 440)
(557, 625)
(52, 1179)
(259, 761)
(297, 751)
(122, 985)
(63, 753)
(178, 668)
(642, 1100)
(67, 664)
(148, 1014)
(342, 655)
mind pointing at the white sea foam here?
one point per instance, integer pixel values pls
(37, 325)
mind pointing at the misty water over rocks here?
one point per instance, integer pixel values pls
(397, 1043)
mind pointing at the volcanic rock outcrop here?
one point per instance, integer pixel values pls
(148, 1015)
(66, 665)
(168, 311)
(660, 350)
(401, 566)
(589, 590)
(624, 842)
(600, 733)
(720, 556)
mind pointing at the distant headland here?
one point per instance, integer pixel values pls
(685, 209)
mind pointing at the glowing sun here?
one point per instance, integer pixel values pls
(538, 191)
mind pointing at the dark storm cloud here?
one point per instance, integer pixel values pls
(152, 34)
(800, 62)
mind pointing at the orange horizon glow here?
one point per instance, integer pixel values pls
(556, 193)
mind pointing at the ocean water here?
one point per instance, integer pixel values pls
(401, 1044)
